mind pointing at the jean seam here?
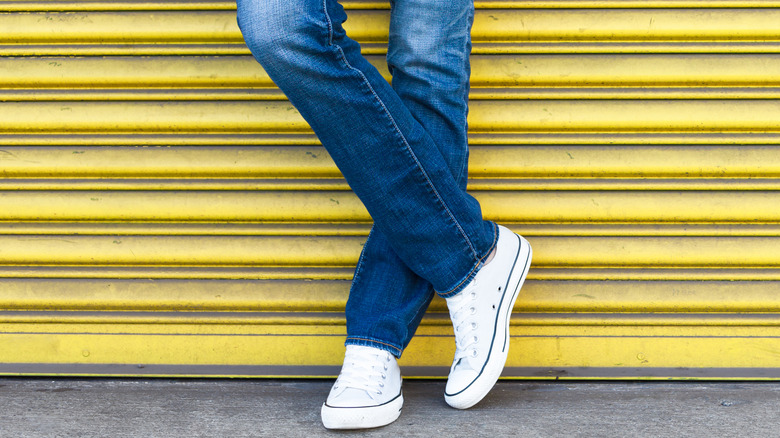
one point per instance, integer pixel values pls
(399, 133)
(463, 165)
(360, 261)
(355, 338)
(423, 307)
(411, 152)
(328, 20)
(478, 265)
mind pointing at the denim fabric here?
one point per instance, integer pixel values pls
(401, 148)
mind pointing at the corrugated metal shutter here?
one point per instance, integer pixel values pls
(164, 211)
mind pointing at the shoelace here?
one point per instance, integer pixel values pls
(364, 371)
(462, 312)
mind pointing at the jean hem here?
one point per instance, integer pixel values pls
(460, 285)
(370, 342)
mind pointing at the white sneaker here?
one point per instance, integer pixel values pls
(367, 392)
(480, 315)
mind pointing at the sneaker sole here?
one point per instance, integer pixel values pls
(362, 417)
(499, 351)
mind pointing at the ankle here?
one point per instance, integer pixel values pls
(490, 256)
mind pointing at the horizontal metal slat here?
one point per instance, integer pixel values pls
(625, 115)
(243, 323)
(172, 250)
(621, 274)
(173, 295)
(146, 5)
(624, 161)
(311, 273)
(139, 117)
(362, 229)
(288, 229)
(725, 163)
(537, 296)
(658, 76)
(615, 25)
(138, 27)
(308, 273)
(495, 117)
(700, 24)
(581, 70)
(232, 139)
(496, 30)
(186, 186)
(344, 206)
(292, 251)
(166, 162)
(140, 72)
(233, 49)
(621, 70)
(484, 93)
(475, 138)
(178, 206)
(123, 5)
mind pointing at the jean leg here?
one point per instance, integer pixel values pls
(430, 68)
(387, 300)
(386, 156)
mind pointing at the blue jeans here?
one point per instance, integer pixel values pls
(402, 148)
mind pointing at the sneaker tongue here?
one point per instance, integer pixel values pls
(462, 364)
(358, 394)
(351, 397)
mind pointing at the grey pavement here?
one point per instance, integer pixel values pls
(290, 408)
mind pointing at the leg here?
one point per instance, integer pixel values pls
(387, 300)
(391, 163)
(430, 68)
(428, 56)
(403, 178)
(387, 157)
(430, 73)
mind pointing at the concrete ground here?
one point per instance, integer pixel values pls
(290, 408)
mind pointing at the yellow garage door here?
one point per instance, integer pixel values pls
(165, 211)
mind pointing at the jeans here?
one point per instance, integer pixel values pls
(402, 147)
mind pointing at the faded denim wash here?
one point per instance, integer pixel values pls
(402, 148)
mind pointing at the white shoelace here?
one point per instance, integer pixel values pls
(462, 312)
(364, 370)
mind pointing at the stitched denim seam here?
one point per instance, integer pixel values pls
(464, 166)
(400, 134)
(423, 307)
(411, 153)
(359, 266)
(470, 275)
(354, 338)
(330, 23)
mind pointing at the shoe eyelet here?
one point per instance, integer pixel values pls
(473, 353)
(379, 392)
(494, 306)
(473, 295)
(385, 367)
(384, 376)
(473, 325)
(476, 339)
(381, 385)
(499, 288)
(473, 310)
